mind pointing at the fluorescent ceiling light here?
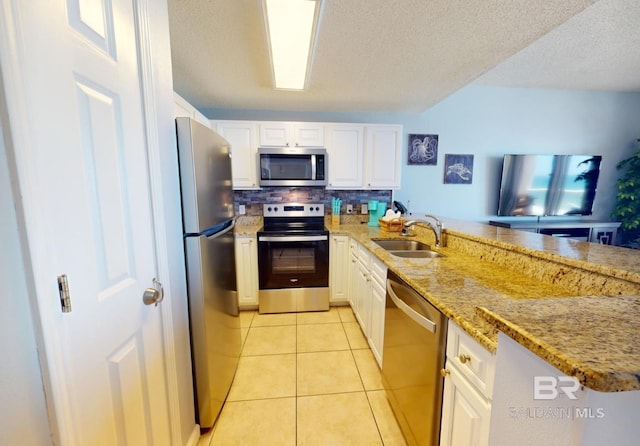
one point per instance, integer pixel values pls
(291, 28)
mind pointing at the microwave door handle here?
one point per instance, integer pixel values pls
(313, 167)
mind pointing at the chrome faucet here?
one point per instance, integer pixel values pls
(437, 229)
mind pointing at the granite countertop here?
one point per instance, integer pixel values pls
(589, 337)
(456, 284)
(614, 261)
(247, 225)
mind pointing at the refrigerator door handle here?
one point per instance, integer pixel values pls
(223, 232)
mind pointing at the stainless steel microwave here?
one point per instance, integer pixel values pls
(292, 166)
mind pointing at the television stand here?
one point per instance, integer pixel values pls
(603, 232)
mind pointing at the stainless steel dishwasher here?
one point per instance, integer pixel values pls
(415, 334)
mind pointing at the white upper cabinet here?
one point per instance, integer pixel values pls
(363, 156)
(291, 134)
(345, 149)
(242, 135)
(383, 149)
(360, 156)
(183, 109)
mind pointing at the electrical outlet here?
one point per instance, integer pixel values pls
(349, 209)
(364, 209)
(242, 209)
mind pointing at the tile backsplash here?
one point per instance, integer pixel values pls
(254, 199)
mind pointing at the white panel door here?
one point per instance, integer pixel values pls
(84, 177)
(345, 149)
(247, 271)
(382, 156)
(244, 152)
(339, 268)
(308, 134)
(276, 134)
(465, 412)
(378, 301)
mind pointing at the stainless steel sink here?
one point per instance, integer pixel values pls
(402, 245)
(421, 254)
(408, 248)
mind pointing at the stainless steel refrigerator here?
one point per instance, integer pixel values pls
(208, 222)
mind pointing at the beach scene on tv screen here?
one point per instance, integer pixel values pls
(548, 185)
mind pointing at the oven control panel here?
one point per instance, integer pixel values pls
(293, 210)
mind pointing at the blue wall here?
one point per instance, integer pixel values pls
(488, 122)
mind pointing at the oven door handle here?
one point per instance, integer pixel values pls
(293, 238)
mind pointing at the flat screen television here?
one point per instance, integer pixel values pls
(548, 185)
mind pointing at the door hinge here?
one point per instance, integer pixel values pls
(65, 297)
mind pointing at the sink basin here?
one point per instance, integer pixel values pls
(408, 248)
(403, 245)
(421, 254)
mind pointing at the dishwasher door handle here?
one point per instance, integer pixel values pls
(417, 317)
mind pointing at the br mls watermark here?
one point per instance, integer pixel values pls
(546, 387)
(556, 413)
(552, 388)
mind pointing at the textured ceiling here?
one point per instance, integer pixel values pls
(598, 49)
(398, 56)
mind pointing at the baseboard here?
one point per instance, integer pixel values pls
(195, 436)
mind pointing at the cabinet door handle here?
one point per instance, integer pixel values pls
(444, 373)
(464, 358)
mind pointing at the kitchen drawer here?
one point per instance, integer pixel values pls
(363, 253)
(475, 362)
(378, 271)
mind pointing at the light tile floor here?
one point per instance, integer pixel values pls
(305, 379)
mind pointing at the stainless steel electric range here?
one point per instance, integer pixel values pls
(293, 258)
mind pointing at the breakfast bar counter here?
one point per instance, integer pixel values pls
(591, 338)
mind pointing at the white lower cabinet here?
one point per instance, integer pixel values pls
(246, 250)
(367, 289)
(468, 389)
(353, 262)
(465, 412)
(362, 298)
(339, 269)
(376, 337)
